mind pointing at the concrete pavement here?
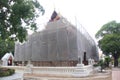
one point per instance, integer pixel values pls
(116, 74)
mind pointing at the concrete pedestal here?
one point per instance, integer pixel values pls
(81, 71)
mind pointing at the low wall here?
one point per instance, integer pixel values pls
(63, 73)
(52, 70)
(58, 77)
(56, 70)
(48, 63)
(57, 73)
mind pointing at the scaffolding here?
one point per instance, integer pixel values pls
(60, 43)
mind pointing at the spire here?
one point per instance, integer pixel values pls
(54, 16)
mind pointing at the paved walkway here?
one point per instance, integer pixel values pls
(116, 74)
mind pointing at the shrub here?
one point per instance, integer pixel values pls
(6, 72)
(101, 63)
(96, 65)
(107, 61)
(119, 60)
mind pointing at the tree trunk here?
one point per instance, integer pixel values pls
(115, 59)
(115, 62)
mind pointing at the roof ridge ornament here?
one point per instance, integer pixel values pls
(54, 16)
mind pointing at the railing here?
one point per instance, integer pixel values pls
(54, 70)
(51, 70)
(59, 70)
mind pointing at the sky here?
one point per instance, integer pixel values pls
(91, 14)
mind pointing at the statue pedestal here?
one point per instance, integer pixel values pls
(29, 67)
(81, 71)
(80, 65)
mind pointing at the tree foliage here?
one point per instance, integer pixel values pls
(109, 28)
(109, 42)
(6, 46)
(110, 37)
(16, 16)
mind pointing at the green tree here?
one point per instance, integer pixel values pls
(109, 41)
(16, 17)
(6, 46)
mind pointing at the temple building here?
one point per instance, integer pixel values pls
(59, 44)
